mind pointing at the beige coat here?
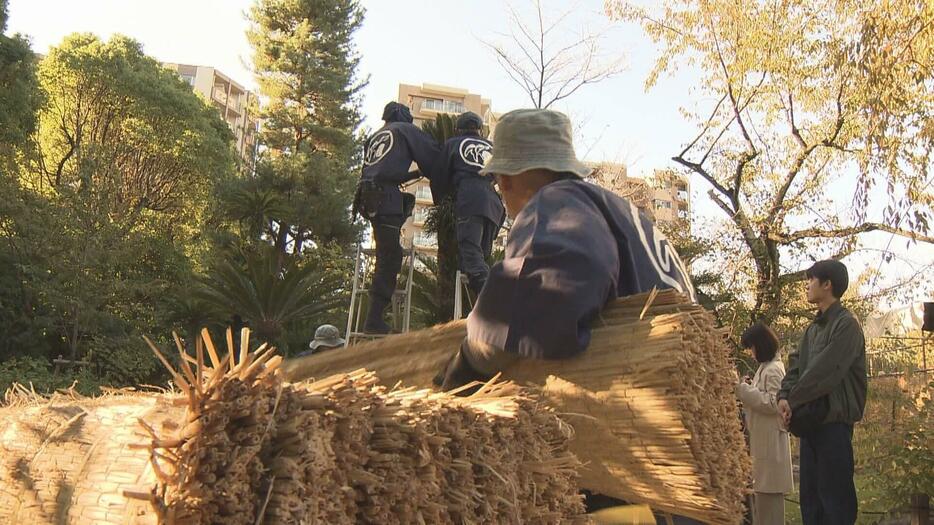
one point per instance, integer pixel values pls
(768, 442)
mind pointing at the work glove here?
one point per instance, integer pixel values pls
(457, 372)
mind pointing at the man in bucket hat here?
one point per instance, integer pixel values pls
(573, 247)
(327, 336)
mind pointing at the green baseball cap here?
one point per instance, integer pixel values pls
(527, 139)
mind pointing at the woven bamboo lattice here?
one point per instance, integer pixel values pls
(651, 401)
(240, 445)
(68, 459)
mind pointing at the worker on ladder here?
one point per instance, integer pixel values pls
(478, 209)
(388, 154)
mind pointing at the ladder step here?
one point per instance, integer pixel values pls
(397, 292)
(371, 252)
(363, 335)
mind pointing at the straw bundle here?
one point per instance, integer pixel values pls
(651, 401)
(240, 445)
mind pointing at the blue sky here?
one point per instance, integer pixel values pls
(416, 41)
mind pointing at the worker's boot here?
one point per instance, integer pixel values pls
(374, 323)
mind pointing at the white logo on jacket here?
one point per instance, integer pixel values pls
(663, 257)
(380, 145)
(475, 152)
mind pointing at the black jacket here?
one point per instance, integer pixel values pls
(573, 247)
(457, 172)
(830, 360)
(388, 155)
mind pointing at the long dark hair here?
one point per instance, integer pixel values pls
(762, 340)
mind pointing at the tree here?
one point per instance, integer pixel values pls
(103, 221)
(305, 66)
(121, 129)
(805, 95)
(269, 298)
(20, 96)
(546, 62)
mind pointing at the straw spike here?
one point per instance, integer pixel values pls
(209, 344)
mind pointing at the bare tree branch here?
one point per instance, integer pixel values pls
(818, 233)
(779, 200)
(550, 76)
(697, 168)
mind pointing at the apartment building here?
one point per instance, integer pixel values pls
(231, 99)
(665, 196)
(615, 177)
(426, 102)
(671, 197)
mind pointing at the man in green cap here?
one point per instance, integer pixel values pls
(572, 248)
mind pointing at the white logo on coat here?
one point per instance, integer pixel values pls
(475, 152)
(664, 258)
(380, 145)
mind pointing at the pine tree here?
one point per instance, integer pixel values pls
(305, 65)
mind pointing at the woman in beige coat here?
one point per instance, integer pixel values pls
(768, 441)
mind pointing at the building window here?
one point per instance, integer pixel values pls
(189, 78)
(660, 204)
(423, 193)
(443, 106)
(453, 107)
(433, 104)
(683, 214)
(683, 195)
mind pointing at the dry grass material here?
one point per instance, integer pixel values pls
(236, 444)
(68, 459)
(651, 401)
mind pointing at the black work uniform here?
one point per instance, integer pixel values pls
(478, 209)
(572, 248)
(387, 157)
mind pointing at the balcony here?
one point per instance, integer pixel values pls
(423, 239)
(420, 215)
(219, 93)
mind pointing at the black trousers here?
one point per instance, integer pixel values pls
(475, 236)
(386, 233)
(828, 494)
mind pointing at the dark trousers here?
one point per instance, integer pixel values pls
(828, 495)
(386, 232)
(475, 236)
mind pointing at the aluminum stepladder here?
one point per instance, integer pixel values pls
(461, 290)
(401, 304)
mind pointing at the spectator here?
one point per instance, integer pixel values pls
(768, 440)
(823, 396)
